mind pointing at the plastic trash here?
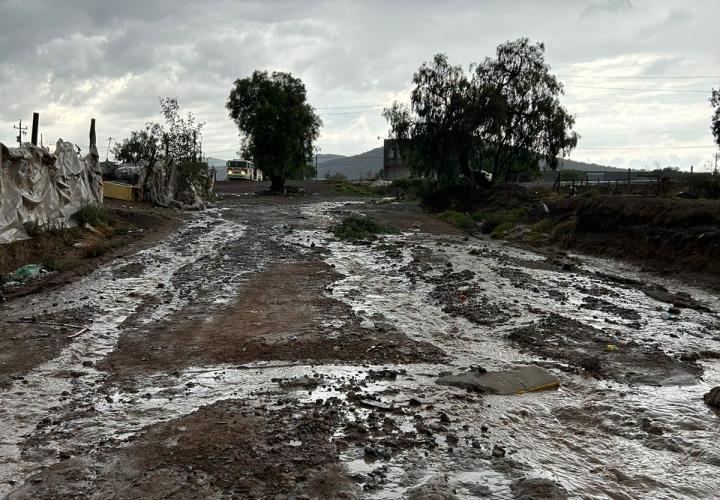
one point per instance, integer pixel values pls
(611, 348)
(27, 272)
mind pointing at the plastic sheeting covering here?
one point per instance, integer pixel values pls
(46, 188)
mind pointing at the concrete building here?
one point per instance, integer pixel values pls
(395, 160)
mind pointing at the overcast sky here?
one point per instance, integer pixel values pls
(76, 59)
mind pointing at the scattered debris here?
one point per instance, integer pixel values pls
(27, 272)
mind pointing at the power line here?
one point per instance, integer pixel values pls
(678, 91)
(645, 147)
(353, 107)
(628, 77)
(657, 132)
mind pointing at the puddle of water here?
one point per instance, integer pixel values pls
(68, 384)
(595, 438)
(589, 436)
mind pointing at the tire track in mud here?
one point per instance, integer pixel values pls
(396, 430)
(102, 411)
(53, 411)
(590, 437)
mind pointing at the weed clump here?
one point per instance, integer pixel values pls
(91, 214)
(565, 230)
(505, 218)
(359, 228)
(459, 219)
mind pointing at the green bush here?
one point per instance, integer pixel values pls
(544, 226)
(503, 217)
(479, 215)
(458, 219)
(565, 230)
(359, 228)
(91, 214)
(501, 230)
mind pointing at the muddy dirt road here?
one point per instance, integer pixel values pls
(252, 355)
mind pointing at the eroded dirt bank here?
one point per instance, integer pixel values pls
(250, 354)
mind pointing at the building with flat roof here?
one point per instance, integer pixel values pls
(396, 163)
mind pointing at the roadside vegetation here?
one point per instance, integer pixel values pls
(56, 248)
(357, 228)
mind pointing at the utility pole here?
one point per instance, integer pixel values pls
(717, 155)
(108, 149)
(21, 132)
(316, 168)
(35, 127)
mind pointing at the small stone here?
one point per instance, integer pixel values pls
(712, 398)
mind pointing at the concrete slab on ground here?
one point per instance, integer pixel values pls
(529, 378)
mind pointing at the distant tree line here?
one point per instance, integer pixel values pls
(502, 116)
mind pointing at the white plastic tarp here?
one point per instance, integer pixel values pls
(46, 188)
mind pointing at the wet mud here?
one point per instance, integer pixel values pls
(251, 355)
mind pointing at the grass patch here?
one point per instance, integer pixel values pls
(360, 228)
(479, 216)
(502, 218)
(354, 189)
(342, 185)
(565, 230)
(502, 230)
(544, 226)
(93, 215)
(459, 219)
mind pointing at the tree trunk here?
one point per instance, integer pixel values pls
(277, 183)
(465, 169)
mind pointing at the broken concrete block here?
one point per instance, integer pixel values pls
(529, 378)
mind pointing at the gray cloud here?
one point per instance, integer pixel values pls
(112, 60)
(611, 6)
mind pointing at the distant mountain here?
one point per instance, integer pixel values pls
(322, 158)
(362, 165)
(585, 167)
(353, 167)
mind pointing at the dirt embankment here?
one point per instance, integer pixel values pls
(67, 255)
(661, 234)
(677, 234)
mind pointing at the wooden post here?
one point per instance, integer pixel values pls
(194, 145)
(35, 125)
(93, 137)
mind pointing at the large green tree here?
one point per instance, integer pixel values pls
(503, 116)
(277, 125)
